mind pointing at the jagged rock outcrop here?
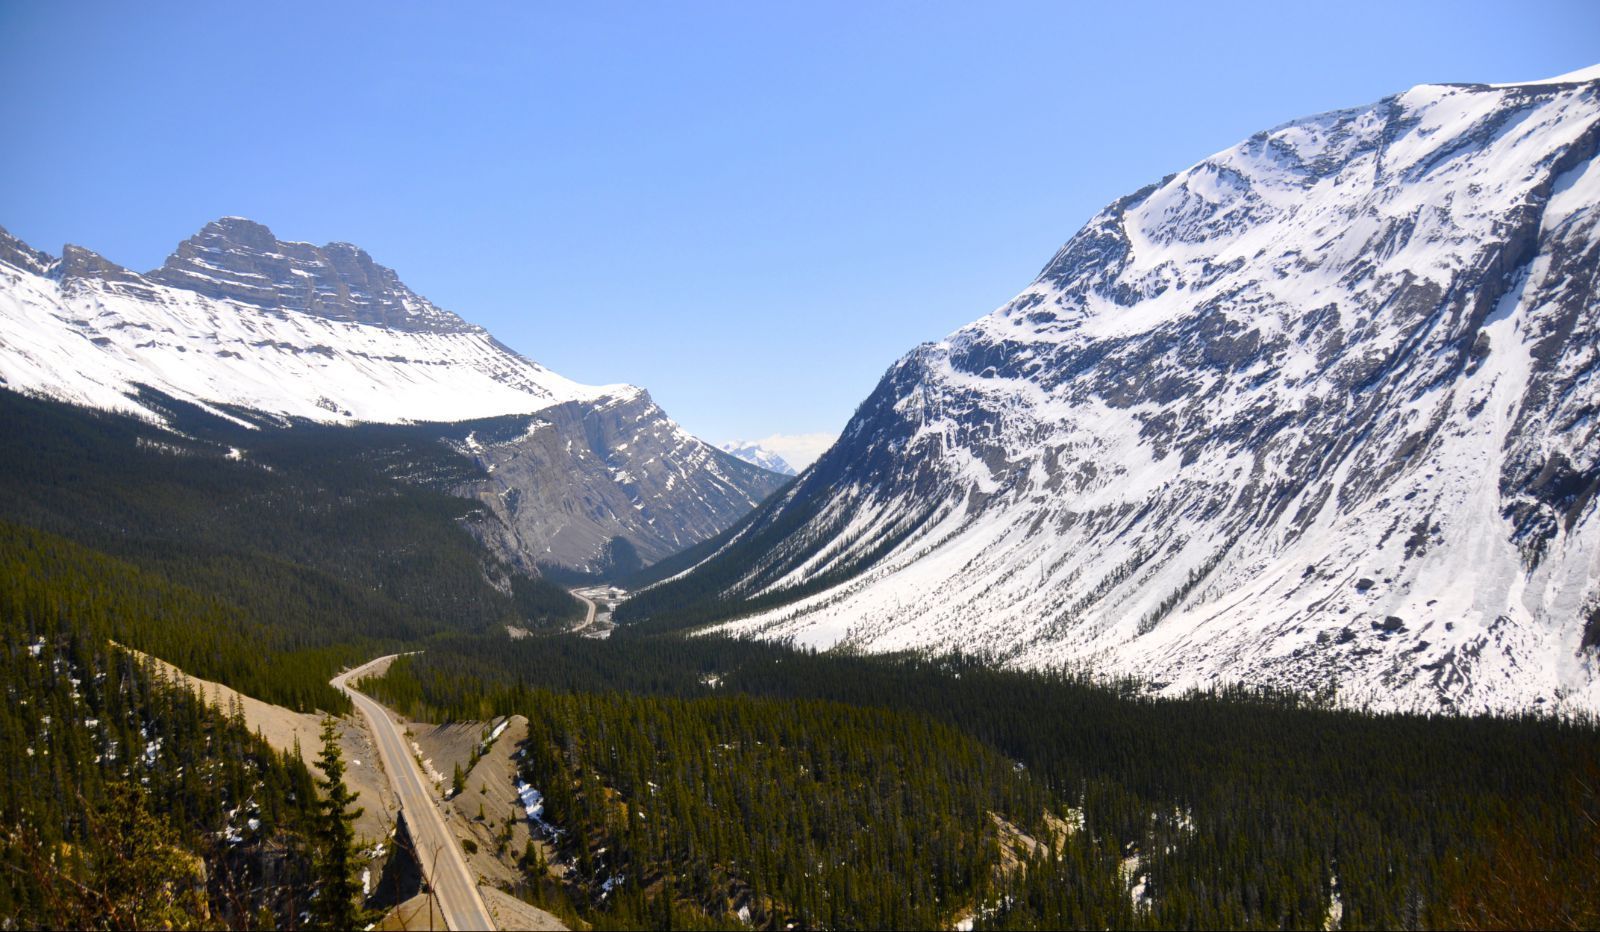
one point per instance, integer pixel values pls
(17, 254)
(240, 260)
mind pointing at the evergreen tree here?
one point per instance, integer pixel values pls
(337, 888)
(140, 878)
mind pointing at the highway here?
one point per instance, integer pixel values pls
(455, 887)
(593, 625)
(588, 619)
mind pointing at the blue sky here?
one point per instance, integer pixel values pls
(751, 209)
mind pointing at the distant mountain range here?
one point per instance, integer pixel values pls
(1321, 412)
(756, 454)
(237, 319)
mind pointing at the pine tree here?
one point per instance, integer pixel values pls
(337, 889)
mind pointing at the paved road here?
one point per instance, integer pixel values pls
(593, 626)
(588, 619)
(455, 887)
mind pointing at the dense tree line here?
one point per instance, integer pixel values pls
(809, 812)
(1235, 809)
(317, 544)
(200, 634)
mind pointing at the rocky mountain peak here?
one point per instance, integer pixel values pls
(588, 477)
(240, 231)
(236, 259)
(15, 252)
(755, 454)
(78, 263)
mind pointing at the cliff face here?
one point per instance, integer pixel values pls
(240, 260)
(569, 480)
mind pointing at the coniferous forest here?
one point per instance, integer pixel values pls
(706, 767)
(800, 467)
(127, 802)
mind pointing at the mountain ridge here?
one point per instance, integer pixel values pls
(1255, 422)
(239, 259)
(332, 301)
(752, 451)
(237, 319)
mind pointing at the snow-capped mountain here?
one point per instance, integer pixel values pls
(236, 317)
(1321, 411)
(758, 455)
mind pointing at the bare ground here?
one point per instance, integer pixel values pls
(486, 812)
(285, 729)
(412, 914)
(511, 913)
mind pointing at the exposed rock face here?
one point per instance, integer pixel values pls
(16, 253)
(240, 260)
(238, 318)
(1318, 411)
(80, 265)
(570, 480)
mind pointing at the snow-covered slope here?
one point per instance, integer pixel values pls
(237, 317)
(1317, 412)
(298, 337)
(758, 455)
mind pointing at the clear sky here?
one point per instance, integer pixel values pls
(751, 208)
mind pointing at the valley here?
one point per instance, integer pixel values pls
(1241, 571)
